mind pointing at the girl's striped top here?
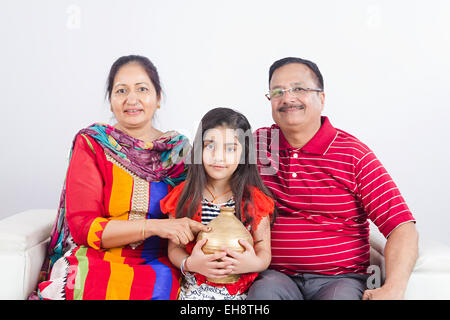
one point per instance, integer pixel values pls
(211, 210)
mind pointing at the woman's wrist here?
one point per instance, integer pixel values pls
(149, 227)
(143, 231)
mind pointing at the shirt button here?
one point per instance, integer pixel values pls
(295, 155)
(294, 175)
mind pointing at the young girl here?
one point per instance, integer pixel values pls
(222, 172)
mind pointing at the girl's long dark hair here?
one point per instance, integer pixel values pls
(245, 176)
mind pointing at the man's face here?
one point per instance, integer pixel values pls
(293, 111)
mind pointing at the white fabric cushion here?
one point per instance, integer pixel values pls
(23, 242)
(428, 285)
(434, 256)
(26, 229)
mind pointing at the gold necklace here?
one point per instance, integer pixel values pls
(216, 197)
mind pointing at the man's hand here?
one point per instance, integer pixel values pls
(383, 293)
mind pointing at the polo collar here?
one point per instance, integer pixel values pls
(319, 143)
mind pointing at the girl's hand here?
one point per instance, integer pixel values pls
(244, 262)
(209, 265)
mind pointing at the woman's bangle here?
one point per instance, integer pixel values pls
(143, 229)
(182, 266)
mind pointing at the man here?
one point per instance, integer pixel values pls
(326, 184)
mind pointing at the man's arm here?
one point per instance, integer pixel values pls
(387, 209)
(400, 256)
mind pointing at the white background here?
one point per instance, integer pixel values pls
(385, 63)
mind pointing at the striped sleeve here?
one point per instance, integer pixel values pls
(379, 195)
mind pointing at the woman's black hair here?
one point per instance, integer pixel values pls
(245, 176)
(144, 62)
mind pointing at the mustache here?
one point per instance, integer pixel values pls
(288, 106)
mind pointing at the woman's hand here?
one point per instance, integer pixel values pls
(179, 231)
(208, 265)
(244, 262)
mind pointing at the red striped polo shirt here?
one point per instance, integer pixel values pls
(325, 193)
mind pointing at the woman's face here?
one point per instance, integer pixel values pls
(133, 98)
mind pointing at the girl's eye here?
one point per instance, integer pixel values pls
(209, 146)
(231, 149)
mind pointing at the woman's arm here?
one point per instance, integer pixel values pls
(118, 233)
(85, 212)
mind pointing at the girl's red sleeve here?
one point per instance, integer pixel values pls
(264, 207)
(169, 203)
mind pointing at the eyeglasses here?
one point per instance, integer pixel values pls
(296, 91)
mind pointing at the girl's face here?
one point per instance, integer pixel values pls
(221, 153)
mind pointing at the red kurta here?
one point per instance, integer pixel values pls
(98, 190)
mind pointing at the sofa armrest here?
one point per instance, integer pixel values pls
(377, 243)
(430, 278)
(23, 243)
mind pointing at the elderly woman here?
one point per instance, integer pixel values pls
(110, 239)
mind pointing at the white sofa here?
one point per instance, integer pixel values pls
(24, 237)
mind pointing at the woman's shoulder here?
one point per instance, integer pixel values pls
(173, 135)
(177, 139)
(170, 133)
(86, 142)
(83, 141)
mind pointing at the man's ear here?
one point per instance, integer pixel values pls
(322, 100)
